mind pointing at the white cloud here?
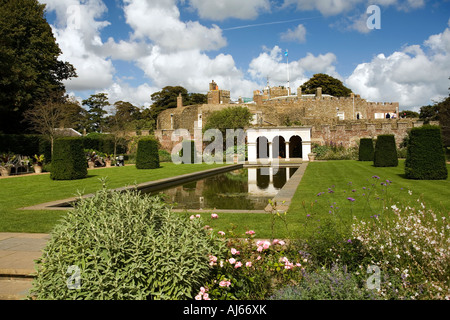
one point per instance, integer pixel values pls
(177, 68)
(138, 96)
(221, 10)
(272, 64)
(159, 21)
(413, 76)
(325, 7)
(296, 35)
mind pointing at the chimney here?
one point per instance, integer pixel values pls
(179, 101)
(319, 93)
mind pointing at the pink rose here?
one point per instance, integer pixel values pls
(234, 251)
(232, 261)
(238, 264)
(214, 216)
(248, 264)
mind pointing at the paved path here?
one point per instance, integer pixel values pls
(17, 254)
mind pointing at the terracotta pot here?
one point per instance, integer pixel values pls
(37, 169)
(5, 171)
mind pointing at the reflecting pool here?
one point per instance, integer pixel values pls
(242, 189)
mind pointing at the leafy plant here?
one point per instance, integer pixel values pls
(39, 160)
(126, 246)
(385, 154)
(325, 284)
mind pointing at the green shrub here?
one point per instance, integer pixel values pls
(366, 149)
(425, 158)
(147, 156)
(69, 161)
(164, 156)
(334, 284)
(126, 246)
(385, 154)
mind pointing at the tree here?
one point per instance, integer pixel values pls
(444, 120)
(45, 117)
(229, 118)
(409, 114)
(96, 103)
(167, 98)
(29, 67)
(429, 113)
(329, 85)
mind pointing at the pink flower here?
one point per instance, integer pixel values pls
(266, 245)
(214, 216)
(259, 249)
(197, 216)
(238, 264)
(281, 242)
(221, 233)
(202, 290)
(192, 217)
(224, 283)
(258, 258)
(250, 232)
(275, 241)
(198, 297)
(206, 296)
(248, 264)
(232, 261)
(234, 251)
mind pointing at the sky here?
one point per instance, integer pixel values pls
(131, 49)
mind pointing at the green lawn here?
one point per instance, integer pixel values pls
(24, 191)
(336, 175)
(342, 177)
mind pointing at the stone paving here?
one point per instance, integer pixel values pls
(18, 251)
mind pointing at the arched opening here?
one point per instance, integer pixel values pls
(262, 148)
(295, 147)
(278, 147)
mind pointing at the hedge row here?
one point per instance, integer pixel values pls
(25, 145)
(29, 145)
(69, 161)
(385, 153)
(147, 156)
(425, 158)
(366, 149)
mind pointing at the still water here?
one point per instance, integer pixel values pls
(243, 189)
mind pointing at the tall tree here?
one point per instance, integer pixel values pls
(329, 85)
(46, 117)
(96, 104)
(444, 120)
(29, 67)
(167, 98)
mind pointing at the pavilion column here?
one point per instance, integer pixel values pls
(287, 151)
(270, 151)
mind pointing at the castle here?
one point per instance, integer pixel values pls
(313, 118)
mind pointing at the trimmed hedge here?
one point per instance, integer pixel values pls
(385, 154)
(425, 157)
(25, 145)
(69, 161)
(366, 150)
(147, 156)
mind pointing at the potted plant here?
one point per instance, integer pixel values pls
(6, 163)
(108, 160)
(312, 156)
(38, 163)
(91, 156)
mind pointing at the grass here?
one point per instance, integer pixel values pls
(24, 191)
(337, 175)
(27, 191)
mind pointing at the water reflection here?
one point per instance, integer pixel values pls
(243, 189)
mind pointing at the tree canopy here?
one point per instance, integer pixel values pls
(167, 98)
(329, 85)
(29, 67)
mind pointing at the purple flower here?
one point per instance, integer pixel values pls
(308, 215)
(353, 190)
(349, 240)
(376, 177)
(350, 199)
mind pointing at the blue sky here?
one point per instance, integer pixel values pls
(133, 48)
